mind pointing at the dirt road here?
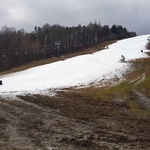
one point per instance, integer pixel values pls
(70, 123)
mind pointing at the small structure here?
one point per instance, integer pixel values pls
(1, 82)
(122, 58)
(62, 57)
(106, 47)
(91, 51)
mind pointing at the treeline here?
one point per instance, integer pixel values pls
(18, 47)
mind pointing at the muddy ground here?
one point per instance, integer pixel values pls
(70, 121)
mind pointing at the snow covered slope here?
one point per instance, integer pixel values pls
(81, 70)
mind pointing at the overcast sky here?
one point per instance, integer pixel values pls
(132, 14)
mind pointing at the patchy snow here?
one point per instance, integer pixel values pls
(81, 70)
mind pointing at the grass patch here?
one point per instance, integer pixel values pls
(144, 87)
(108, 93)
(144, 84)
(137, 110)
(121, 93)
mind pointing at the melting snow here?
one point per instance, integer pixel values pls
(81, 70)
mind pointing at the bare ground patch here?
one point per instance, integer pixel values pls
(71, 121)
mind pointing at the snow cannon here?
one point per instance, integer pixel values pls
(122, 58)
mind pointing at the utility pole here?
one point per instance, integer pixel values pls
(4, 60)
(71, 39)
(44, 52)
(96, 40)
(57, 44)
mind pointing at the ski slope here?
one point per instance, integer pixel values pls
(81, 70)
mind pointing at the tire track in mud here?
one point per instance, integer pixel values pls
(29, 125)
(13, 115)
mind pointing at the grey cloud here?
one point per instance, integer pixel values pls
(131, 14)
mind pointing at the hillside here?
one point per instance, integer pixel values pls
(100, 46)
(83, 70)
(101, 117)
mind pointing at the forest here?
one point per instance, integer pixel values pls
(18, 47)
